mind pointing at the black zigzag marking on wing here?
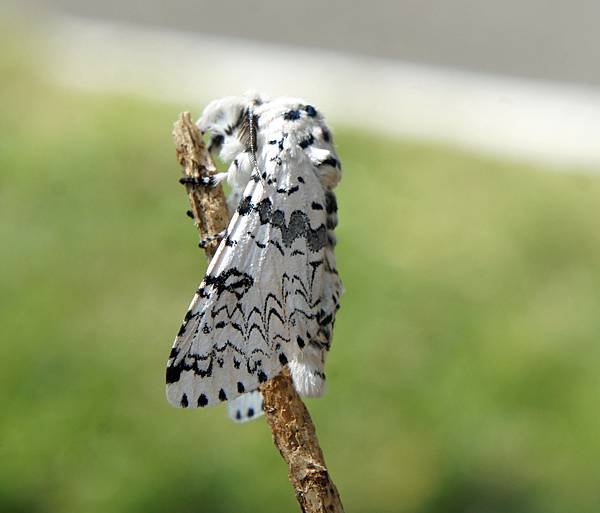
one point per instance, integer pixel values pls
(231, 280)
(257, 321)
(298, 226)
(190, 362)
(272, 307)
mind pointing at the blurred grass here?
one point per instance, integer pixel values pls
(464, 373)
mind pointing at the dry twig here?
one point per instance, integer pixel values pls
(292, 428)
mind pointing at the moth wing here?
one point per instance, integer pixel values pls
(258, 305)
(245, 407)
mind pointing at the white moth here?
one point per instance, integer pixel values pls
(271, 291)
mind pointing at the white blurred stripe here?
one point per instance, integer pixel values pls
(523, 119)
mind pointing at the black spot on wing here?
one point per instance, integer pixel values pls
(292, 115)
(173, 374)
(305, 143)
(264, 209)
(202, 401)
(316, 239)
(188, 363)
(311, 111)
(330, 202)
(331, 161)
(326, 320)
(245, 206)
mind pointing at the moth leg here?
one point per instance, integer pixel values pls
(204, 181)
(218, 236)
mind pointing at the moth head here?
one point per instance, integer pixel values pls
(227, 121)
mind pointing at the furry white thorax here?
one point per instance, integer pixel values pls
(271, 291)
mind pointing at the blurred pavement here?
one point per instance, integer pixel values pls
(540, 39)
(479, 75)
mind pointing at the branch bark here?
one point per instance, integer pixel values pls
(208, 204)
(291, 426)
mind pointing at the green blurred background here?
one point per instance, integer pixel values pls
(464, 372)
